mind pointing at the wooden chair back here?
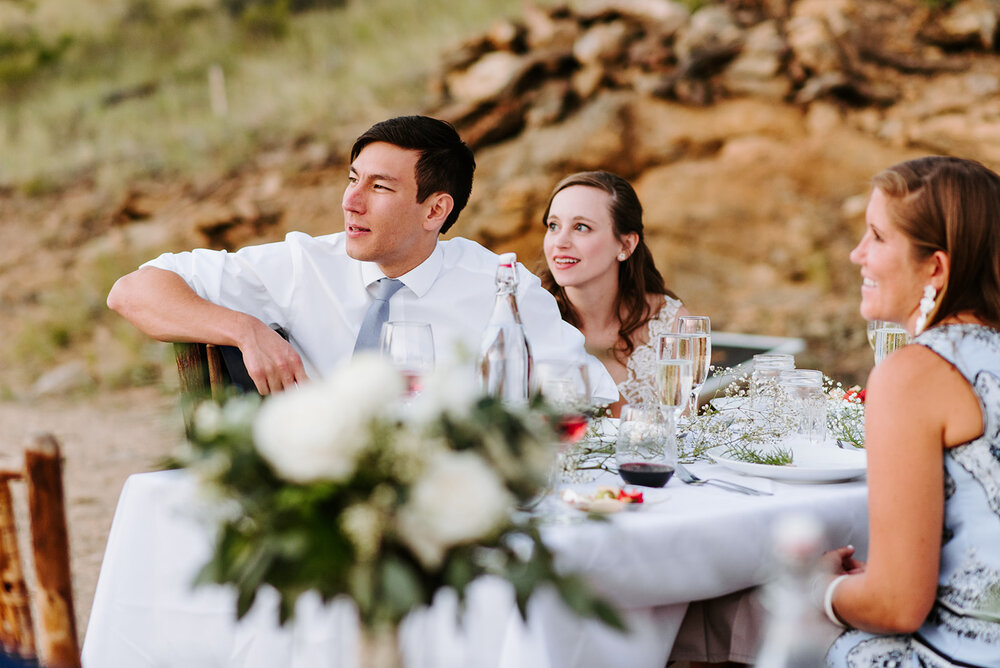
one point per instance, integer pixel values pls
(202, 376)
(212, 372)
(55, 643)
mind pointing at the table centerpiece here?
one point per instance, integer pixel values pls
(339, 487)
(730, 422)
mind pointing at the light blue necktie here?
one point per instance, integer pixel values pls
(378, 313)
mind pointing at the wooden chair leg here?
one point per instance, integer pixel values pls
(50, 538)
(17, 635)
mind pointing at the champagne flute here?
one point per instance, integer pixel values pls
(888, 339)
(874, 326)
(409, 347)
(700, 329)
(674, 373)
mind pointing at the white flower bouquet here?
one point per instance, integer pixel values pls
(340, 488)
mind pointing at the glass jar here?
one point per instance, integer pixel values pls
(764, 380)
(803, 396)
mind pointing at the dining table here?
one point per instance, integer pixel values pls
(684, 543)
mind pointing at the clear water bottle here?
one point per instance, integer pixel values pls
(797, 634)
(504, 357)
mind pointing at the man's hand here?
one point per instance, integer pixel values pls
(270, 360)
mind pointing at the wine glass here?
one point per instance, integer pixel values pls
(700, 329)
(566, 386)
(645, 451)
(409, 347)
(888, 338)
(674, 373)
(874, 326)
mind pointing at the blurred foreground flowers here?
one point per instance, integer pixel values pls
(342, 488)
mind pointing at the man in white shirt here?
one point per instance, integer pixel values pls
(409, 179)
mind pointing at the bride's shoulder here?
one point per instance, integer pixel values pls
(665, 307)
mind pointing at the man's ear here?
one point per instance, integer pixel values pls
(439, 207)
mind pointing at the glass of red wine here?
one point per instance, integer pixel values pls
(646, 451)
(566, 386)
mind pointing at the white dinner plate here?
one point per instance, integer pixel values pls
(810, 463)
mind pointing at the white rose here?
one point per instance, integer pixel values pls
(451, 390)
(316, 431)
(207, 420)
(458, 500)
(300, 433)
(366, 384)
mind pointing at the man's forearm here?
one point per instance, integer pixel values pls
(161, 305)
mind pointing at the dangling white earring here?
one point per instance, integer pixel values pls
(926, 306)
(622, 256)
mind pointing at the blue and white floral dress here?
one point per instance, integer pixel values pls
(963, 627)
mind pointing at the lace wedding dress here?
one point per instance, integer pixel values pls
(639, 386)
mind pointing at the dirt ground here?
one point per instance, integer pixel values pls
(105, 438)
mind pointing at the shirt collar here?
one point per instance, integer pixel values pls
(419, 279)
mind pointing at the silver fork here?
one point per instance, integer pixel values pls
(691, 479)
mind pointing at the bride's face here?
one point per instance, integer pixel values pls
(580, 242)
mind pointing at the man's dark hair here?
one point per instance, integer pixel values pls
(446, 164)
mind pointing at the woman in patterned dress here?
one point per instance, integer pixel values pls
(603, 276)
(929, 594)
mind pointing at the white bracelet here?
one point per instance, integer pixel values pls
(828, 601)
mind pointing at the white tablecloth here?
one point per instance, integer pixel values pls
(695, 543)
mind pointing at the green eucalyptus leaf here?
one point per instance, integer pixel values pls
(400, 586)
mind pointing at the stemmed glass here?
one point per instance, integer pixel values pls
(674, 373)
(566, 386)
(700, 329)
(874, 326)
(409, 347)
(889, 338)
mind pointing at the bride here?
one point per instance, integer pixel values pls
(602, 274)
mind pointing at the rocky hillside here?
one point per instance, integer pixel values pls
(750, 129)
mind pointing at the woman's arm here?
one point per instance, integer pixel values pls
(917, 404)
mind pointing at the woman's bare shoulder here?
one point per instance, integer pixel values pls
(924, 387)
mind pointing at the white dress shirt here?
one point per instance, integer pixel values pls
(312, 288)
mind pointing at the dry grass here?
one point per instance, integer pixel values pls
(333, 68)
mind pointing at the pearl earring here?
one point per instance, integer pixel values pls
(622, 256)
(926, 306)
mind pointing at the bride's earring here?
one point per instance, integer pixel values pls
(622, 256)
(926, 306)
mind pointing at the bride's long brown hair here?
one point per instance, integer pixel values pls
(637, 276)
